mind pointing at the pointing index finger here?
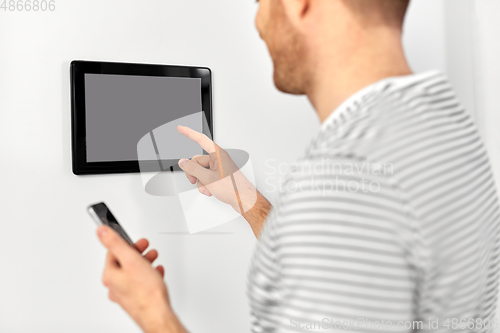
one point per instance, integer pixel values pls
(208, 145)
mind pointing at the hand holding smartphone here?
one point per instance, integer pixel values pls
(102, 215)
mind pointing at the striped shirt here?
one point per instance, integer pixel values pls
(388, 222)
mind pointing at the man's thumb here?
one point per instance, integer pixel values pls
(194, 169)
(113, 242)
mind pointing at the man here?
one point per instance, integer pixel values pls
(389, 222)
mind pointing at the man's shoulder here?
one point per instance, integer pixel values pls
(360, 133)
(394, 122)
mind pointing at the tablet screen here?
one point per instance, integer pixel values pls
(121, 109)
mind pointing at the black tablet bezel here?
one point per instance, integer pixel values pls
(79, 68)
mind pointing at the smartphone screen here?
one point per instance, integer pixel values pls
(102, 215)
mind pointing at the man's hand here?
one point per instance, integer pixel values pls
(224, 180)
(136, 285)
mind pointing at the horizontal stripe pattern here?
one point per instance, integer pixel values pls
(390, 219)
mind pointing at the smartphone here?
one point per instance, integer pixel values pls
(102, 215)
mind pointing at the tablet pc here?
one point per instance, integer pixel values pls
(114, 104)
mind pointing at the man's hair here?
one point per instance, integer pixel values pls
(390, 12)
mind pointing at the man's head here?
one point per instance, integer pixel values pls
(300, 33)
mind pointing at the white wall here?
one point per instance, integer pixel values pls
(473, 50)
(461, 52)
(486, 56)
(424, 35)
(51, 261)
(472, 53)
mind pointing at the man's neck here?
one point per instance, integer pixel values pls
(335, 81)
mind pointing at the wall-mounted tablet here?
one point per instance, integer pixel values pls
(115, 104)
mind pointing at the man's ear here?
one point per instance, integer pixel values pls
(296, 10)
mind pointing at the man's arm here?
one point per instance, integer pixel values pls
(218, 175)
(256, 216)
